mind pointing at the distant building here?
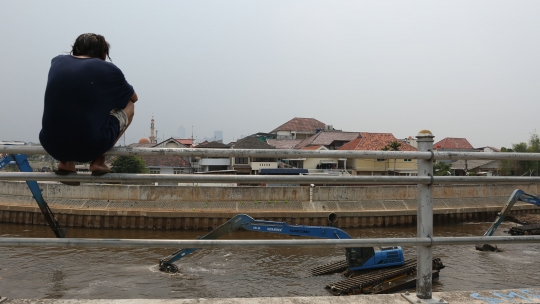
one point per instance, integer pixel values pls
(152, 137)
(12, 143)
(322, 140)
(299, 128)
(206, 164)
(411, 141)
(181, 132)
(376, 142)
(454, 144)
(478, 167)
(218, 136)
(251, 165)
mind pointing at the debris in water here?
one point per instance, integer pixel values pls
(487, 247)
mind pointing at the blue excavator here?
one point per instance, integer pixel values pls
(360, 258)
(366, 269)
(22, 162)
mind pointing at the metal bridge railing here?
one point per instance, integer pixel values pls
(424, 180)
(342, 243)
(282, 153)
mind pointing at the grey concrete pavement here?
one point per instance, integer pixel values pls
(524, 295)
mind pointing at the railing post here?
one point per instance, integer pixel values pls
(424, 218)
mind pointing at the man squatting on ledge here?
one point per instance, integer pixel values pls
(88, 106)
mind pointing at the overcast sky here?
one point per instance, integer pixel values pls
(458, 68)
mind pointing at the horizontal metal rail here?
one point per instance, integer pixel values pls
(375, 242)
(265, 179)
(283, 153)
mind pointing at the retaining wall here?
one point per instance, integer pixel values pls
(247, 194)
(171, 207)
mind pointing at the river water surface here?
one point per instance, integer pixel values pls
(111, 273)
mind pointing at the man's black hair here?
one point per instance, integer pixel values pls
(91, 45)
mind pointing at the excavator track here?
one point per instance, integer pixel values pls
(371, 282)
(525, 230)
(330, 268)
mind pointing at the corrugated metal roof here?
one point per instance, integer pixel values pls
(326, 138)
(284, 143)
(471, 164)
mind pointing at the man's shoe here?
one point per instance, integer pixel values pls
(61, 171)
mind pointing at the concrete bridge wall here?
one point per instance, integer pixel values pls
(170, 207)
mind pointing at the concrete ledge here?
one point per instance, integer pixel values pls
(525, 295)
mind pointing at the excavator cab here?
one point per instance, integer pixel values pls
(360, 258)
(357, 257)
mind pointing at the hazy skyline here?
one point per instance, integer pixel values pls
(458, 68)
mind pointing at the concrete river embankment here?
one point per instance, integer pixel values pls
(187, 207)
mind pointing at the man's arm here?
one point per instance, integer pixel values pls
(134, 97)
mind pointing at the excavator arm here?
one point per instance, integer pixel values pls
(24, 166)
(166, 264)
(517, 195)
(246, 222)
(357, 258)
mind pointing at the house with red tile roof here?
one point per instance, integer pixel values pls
(298, 128)
(453, 144)
(186, 142)
(377, 142)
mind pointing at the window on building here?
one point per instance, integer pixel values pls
(380, 159)
(177, 170)
(408, 160)
(154, 170)
(241, 160)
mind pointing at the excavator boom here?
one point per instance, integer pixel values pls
(517, 195)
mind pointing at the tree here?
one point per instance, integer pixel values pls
(128, 164)
(393, 146)
(521, 167)
(441, 168)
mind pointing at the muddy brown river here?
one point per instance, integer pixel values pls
(106, 273)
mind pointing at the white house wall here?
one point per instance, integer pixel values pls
(166, 170)
(215, 162)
